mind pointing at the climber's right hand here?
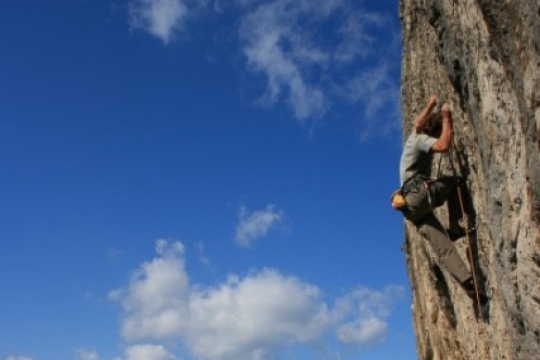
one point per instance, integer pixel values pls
(445, 108)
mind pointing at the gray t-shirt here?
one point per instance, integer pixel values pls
(416, 157)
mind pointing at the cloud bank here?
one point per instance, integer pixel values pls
(247, 317)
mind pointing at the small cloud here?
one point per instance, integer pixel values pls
(146, 352)
(86, 354)
(257, 224)
(363, 331)
(18, 358)
(205, 260)
(377, 93)
(162, 18)
(115, 254)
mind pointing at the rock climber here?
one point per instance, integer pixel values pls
(432, 133)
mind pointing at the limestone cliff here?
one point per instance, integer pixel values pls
(482, 56)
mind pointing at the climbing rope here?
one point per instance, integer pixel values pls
(464, 213)
(466, 227)
(481, 326)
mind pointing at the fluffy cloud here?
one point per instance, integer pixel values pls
(254, 225)
(162, 18)
(243, 317)
(249, 316)
(157, 299)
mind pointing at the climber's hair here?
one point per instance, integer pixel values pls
(432, 125)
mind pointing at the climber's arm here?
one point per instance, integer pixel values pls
(444, 141)
(418, 121)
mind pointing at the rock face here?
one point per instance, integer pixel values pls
(483, 57)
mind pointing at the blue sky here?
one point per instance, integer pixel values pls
(201, 179)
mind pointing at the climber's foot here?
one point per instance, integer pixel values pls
(481, 307)
(479, 298)
(458, 233)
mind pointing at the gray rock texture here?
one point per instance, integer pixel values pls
(483, 57)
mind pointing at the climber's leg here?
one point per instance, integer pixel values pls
(434, 232)
(445, 189)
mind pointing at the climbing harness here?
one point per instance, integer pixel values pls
(398, 199)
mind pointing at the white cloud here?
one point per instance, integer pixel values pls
(363, 331)
(283, 39)
(205, 260)
(249, 316)
(157, 298)
(379, 95)
(243, 317)
(115, 254)
(18, 358)
(87, 354)
(284, 51)
(365, 312)
(357, 36)
(162, 18)
(307, 52)
(147, 352)
(254, 225)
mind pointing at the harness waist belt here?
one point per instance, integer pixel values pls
(412, 184)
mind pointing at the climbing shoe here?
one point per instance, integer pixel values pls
(480, 300)
(455, 234)
(481, 309)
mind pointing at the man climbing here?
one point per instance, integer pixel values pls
(432, 133)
